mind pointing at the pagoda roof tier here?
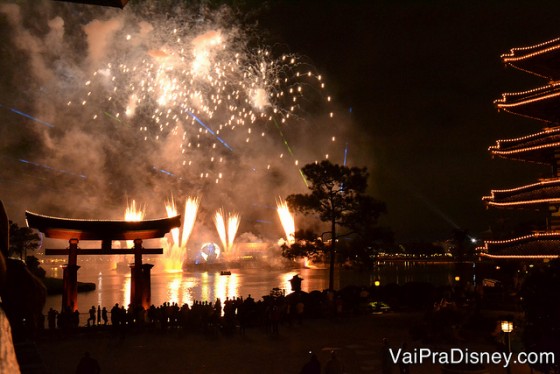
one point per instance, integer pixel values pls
(543, 245)
(543, 193)
(539, 147)
(539, 59)
(541, 103)
(84, 229)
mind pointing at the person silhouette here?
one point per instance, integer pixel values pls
(104, 316)
(295, 282)
(386, 361)
(88, 365)
(92, 313)
(313, 366)
(333, 365)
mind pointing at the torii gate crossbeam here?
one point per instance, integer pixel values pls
(106, 231)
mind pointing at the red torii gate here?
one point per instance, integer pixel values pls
(106, 231)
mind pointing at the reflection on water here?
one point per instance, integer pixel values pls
(184, 288)
(188, 286)
(125, 290)
(401, 272)
(99, 288)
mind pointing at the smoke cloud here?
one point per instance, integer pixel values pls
(102, 106)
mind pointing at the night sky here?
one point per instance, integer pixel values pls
(417, 80)
(421, 78)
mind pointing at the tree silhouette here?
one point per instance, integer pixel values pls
(306, 244)
(22, 241)
(34, 266)
(338, 197)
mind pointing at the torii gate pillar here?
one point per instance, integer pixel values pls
(140, 284)
(147, 284)
(70, 278)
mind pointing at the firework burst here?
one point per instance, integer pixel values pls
(201, 90)
(160, 98)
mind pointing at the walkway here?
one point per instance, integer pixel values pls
(357, 340)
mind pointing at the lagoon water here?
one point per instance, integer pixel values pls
(189, 285)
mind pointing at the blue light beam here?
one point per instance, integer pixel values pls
(210, 131)
(51, 168)
(28, 116)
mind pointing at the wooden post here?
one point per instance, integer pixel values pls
(136, 281)
(70, 278)
(147, 286)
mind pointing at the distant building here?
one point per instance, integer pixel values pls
(541, 104)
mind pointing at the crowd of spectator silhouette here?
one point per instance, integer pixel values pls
(226, 316)
(232, 314)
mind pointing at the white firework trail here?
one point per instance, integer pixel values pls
(287, 220)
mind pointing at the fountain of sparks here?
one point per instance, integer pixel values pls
(219, 221)
(232, 227)
(132, 213)
(175, 251)
(287, 220)
(227, 226)
(189, 218)
(135, 214)
(171, 210)
(288, 223)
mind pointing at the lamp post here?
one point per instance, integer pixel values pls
(507, 328)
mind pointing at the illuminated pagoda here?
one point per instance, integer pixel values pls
(541, 104)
